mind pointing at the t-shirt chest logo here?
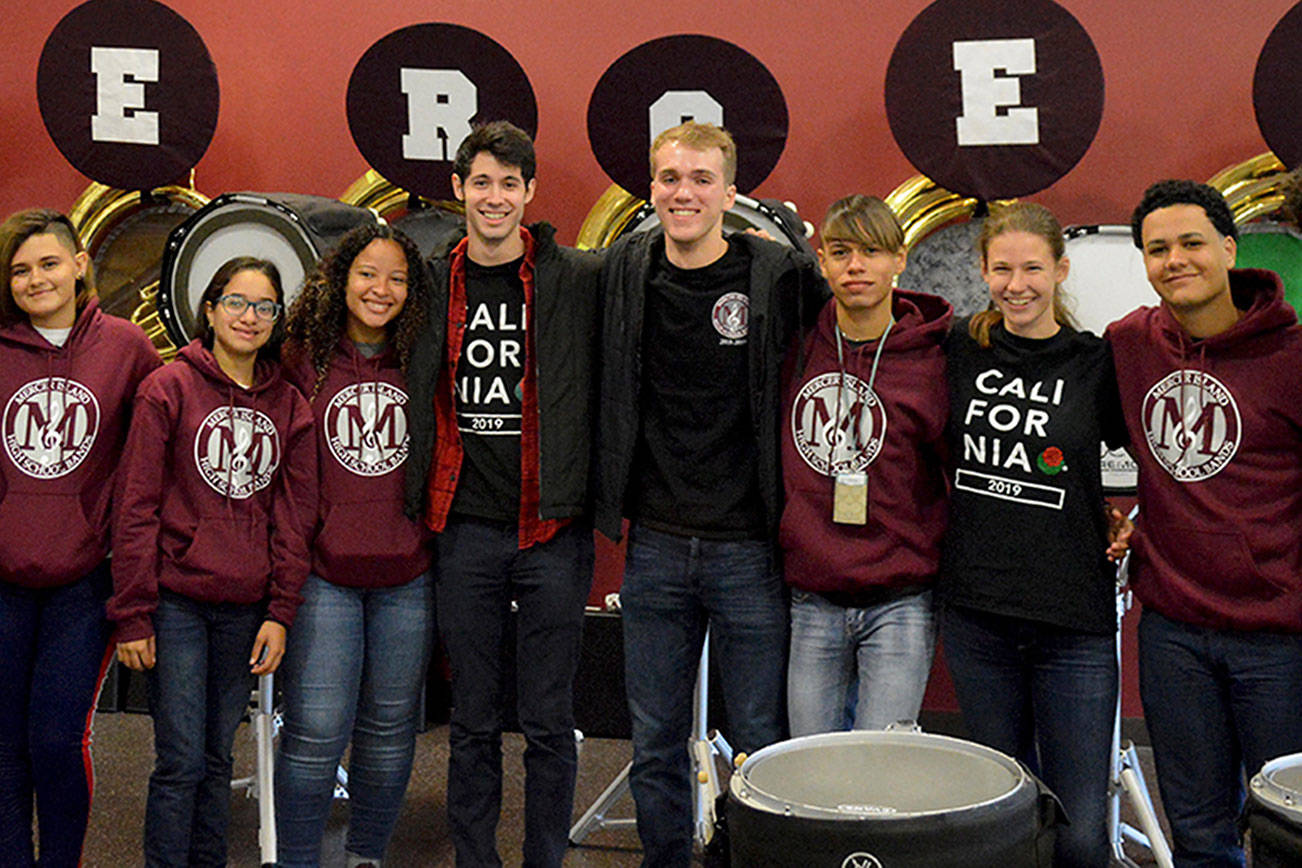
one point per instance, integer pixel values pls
(237, 451)
(1192, 424)
(50, 426)
(834, 443)
(366, 428)
(731, 316)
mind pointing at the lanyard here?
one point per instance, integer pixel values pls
(840, 391)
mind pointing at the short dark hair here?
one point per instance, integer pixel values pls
(16, 229)
(1292, 210)
(509, 145)
(1164, 194)
(223, 276)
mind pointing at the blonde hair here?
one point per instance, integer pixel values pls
(863, 220)
(1020, 217)
(700, 137)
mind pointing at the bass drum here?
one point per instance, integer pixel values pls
(434, 225)
(125, 233)
(1273, 815)
(291, 230)
(887, 800)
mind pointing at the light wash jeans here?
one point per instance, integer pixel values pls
(887, 648)
(353, 670)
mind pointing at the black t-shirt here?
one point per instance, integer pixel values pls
(695, 468)
(488, 393)
(1027, 533)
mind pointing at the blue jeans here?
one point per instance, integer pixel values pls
(673, 587)
(1219, 704)
(53, 645)
(887, 648)
(198, 691)
(353, 669)
(1047, 696)
(481, 569)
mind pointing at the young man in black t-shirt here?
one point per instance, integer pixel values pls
(500, 414)
(695, 324)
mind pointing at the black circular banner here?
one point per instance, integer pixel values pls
(667, 81)
(128, 92)
(994, 98)
(1277, 89)
(415, 94)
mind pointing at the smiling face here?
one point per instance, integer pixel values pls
(240, 337)
(376, 290)
(1023, 276)
(494, 194)
(43, 278)
(690, 193)
(1187, 260)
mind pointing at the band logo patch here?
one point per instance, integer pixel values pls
(731, 317)
(832, 445)
(1192, 424)
(50, 426)
(366, 428)
(237, 451)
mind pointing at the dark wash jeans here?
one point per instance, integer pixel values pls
(1047, 696)
(52, 661)
(674, 586)
(198, 691)
(1219, 704)
(481, 569)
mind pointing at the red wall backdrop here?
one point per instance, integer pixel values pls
(1178, 76)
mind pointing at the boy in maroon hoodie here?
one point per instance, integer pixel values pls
(1213, 404)
(865, 488)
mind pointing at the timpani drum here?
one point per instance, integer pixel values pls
(870, 799)
(291, 230)
(1273, 814)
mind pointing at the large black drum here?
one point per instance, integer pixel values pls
(291, 230)
(887, 800)
(1274, 813)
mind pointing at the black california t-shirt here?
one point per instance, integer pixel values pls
(488, 393)
(695, 468)
(1027, 534)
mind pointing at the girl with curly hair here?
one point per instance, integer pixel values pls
(356, 663)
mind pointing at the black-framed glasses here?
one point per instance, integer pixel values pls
(235, 305)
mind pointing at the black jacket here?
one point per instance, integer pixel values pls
(563, 324)
(786, 291)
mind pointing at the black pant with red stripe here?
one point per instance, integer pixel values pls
(53, 653)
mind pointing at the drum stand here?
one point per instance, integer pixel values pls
(260, 784)
(704, 747)
(1127, 779)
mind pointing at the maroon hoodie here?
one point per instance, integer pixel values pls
(363, 539)
(217, 492)
(898, 443)
(66, 411)
(1216, 428)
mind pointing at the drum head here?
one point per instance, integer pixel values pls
(620, 213)
(946, 263)
(291, 231)
(1279, 786)
(880, 774)
(1107, 279)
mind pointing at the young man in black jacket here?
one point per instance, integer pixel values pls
(694, 329)
(501, 403)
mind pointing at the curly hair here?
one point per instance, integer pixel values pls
(319, 316)
(1164, 194)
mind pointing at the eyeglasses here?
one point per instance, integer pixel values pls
(235, 305)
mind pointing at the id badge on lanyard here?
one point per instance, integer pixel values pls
(850, 490)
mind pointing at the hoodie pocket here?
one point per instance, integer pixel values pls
(46, 539)
(1219, 561)
(230, 550)
(367, 530)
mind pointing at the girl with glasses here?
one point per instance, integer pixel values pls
(216, 500)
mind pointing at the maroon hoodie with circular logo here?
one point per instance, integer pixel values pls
(216, 495)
